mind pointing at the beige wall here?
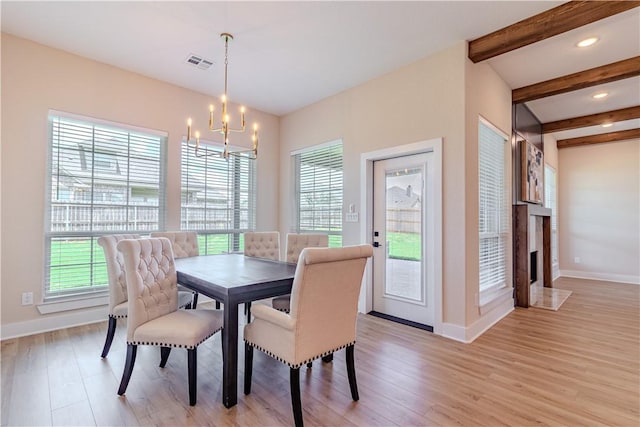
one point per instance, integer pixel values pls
(418, 102)
(599, 211)
(36, 78)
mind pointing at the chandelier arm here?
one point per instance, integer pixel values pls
(225, 129)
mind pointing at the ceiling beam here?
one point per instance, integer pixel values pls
(580, 80)
(560, 19)
(592, 120)
(600, 138)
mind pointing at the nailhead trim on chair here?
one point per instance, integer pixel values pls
(188, 347)
(120, 316)
(326, 353)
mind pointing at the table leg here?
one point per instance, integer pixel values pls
(230, 364)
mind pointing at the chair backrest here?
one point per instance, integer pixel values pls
(151, 280)
(115, 268)
(297, 242)
(324, 298)
(184, 243)
(262, 244)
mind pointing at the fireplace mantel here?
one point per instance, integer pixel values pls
(521, 253)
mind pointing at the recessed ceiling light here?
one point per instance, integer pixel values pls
(587, 42)
(600, 95)
(607, 125)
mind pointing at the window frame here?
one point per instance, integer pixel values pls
(501, 222)
(551, 202)
(59, 122)
(210, 239)
(334, 230)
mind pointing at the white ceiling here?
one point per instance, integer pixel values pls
(287, 55)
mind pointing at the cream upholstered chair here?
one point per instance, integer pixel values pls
(184, 244)
(295, 244)
(319, 323)
(261, 244)
(154, 318)
(118, 285)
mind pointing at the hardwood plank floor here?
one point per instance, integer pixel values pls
(579, 366)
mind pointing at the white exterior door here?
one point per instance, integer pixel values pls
(403, 227)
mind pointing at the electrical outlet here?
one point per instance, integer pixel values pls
(577, 260)
(27, 298)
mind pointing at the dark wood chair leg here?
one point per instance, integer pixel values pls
(351, 373)
(328, 358)
(194, 303)
(247, 311)
(296, 404)
(222, 332)
(111, 331)
(192, 366)
(248, 367)
(217, 305)
(128, 368)
(164, 355)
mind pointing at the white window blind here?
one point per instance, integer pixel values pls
(550, 201)
(104, 178)
(218, 199)
(493, 205)
(318, 191)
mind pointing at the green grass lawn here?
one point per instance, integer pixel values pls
(404, 246)
(74, 262)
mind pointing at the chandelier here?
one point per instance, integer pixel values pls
(225, 128)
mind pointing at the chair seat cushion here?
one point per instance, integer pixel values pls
(281, 303)
(120, 310)
(184, 298)
(182, 328)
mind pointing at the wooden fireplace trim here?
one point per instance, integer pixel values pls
(521, 260)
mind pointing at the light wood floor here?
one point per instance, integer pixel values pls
(578, 366)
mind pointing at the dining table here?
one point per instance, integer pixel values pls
(234, 279)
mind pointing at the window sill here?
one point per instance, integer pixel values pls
(493, 298)
(68, 304)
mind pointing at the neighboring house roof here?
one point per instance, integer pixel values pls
(402, 198)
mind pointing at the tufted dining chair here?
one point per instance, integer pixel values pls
(295, 244)
(184, 244)
(261, 244)
(318, 323)
(154, 318)
(118, 286)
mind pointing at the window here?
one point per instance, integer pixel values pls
(218, 199)
(550, 201)
(494, 207)
(104, 178)
(318, 191)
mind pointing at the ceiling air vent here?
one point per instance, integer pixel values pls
(198, 61)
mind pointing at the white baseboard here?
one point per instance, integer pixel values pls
(470, 333)
(53, 323)
(607, 277)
